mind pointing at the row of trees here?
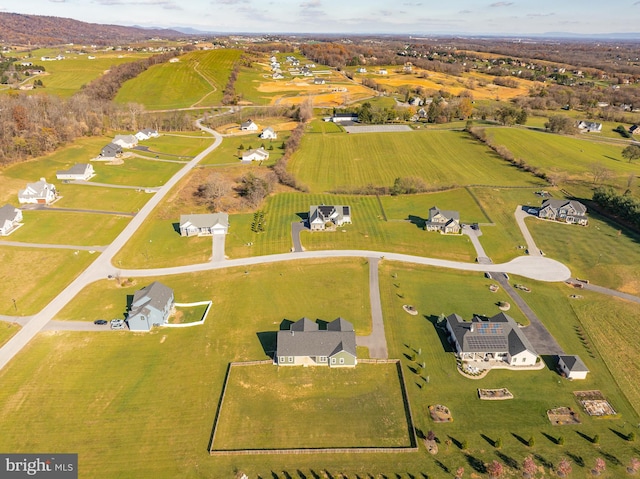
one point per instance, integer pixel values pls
(624, 206)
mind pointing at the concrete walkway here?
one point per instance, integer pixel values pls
(520, 215)
(52, 246)
(474, 234)
(296, 228)
(376, 341)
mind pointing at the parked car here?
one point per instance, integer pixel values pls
(117, 324)
(100, 321)
(487, 275)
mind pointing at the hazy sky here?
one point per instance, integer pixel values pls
(352, 16)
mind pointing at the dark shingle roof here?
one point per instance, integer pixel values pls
(156, 295)
(574, 363)
(303, 340)
(557, 204)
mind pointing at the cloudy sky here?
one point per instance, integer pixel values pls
(352, 16)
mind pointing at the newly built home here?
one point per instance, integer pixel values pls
(258, 154)
(572, 367)
(567, 211)
(492, 341)
(79, 171)
(444, 221)
(204, 225)
(344, 117)
(268, 134)
(110, 151)
(305, 344)
(248, 125)
(323, 216)
(589, 126)
(10, 219)
(151, 306)
(146, 134)
(125, 141)
(39, 192)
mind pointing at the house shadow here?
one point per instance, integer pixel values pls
(304, 216)
(176, 227)
(442, 334)
(416, 220)
(129, 303)
(550, 360)
(322, 324)
(285, 325)
(268, 340)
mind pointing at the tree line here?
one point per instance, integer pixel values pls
(623, 206)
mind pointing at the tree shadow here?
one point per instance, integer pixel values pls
(442, 334)
(286, 475)
(457, 443)
(314, 474)
(611, 458)
(416, 220)
(301, 475)
(544, 461)
(420, 434)
(488, 439)
(577, 460)
(176, 227)
(620, 434)
(584, 436)
(554, 440)
(442, 466)
(508, 460)
(520, 439)
(268, 340)
(476, 464)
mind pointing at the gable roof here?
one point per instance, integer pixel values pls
(304, 338)
(557, 204)
(450, 214)
(39, 189)
(206, 220)
(111, 149)
(8, 213)
(304, 324)
(77, 169)
(256, 151)
(156, 295)
(573, 363)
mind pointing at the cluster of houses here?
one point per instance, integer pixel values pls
(115, 147)
(257, 154)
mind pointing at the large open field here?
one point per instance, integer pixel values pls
(440, 158)
(359, 407)
(198, 79)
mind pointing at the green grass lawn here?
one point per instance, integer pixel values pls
(50, 270)
(60, 227)
(440, 158)
(319, 126)
(136, 172)
(7, 330)
(188, 314)
(359, 407)
(101, 198)
(185, 146)
(597, 252)
(182, 84)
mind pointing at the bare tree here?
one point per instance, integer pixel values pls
(211, 192)
(600, 173)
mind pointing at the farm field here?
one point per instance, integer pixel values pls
(50, 270)
(198, 79)
(440, 158)
(66, 77)
(598, 252)
(89, 229)
(360, 407)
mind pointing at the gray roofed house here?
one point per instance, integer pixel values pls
(444, 221)
(125, 141)
(492, 341)
(322, 215)
(257, 154)
(268, 134)
(79, 171)
(204, 225)
(305, 344)
(110, 151)
(39, 192)
(10, 218)
(146, 133)
(589, 126)
(151, 306)
(249, 125)
(572, 367)
(568, 211)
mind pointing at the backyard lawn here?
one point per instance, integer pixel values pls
(101, 198)
(136, 172)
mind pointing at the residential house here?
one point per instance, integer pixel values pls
(151, 306)
(319, 81)
(323, 215)
(361, 70)
(572, 367)
(268, 134)
(258, 154)
(146, 134)
(277, 76)
(382, 71)
(39, 192)
(568, 211)
(79, 171)
(344, 117)
(110, 151)
(174, 60)
(125, 141)
(497, 339)
(10, 218)
(408, 67)
(634, 129)
(249, 125)
(416, 101)
(445, 221)
(305, 344)
(204, 225)
(589, 126)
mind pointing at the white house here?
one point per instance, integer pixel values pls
(590, 126)
(249, 125)
(146, 134)
(258, 154)
(361, 70)
(125, 141)
(382, 71)
(79, 171)
(491, 341)
(320, 216)
(204, 225)
(268, 134)
(572, 367)
(39, 192)
(447, 222)
(10, 218)
(319, 81)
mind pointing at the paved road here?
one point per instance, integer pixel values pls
(296, 228)
(537, 334)
(101, 267)
(474, 234)
(520, 215)
(52, 246)
(376, 341)
(217, 254)
(610, 292)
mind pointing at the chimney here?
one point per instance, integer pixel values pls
(473, 327)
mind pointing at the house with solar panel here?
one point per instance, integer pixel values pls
(322, 217)
(305, 344)
(491, 341)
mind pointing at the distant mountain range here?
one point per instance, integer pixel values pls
(40, 30)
